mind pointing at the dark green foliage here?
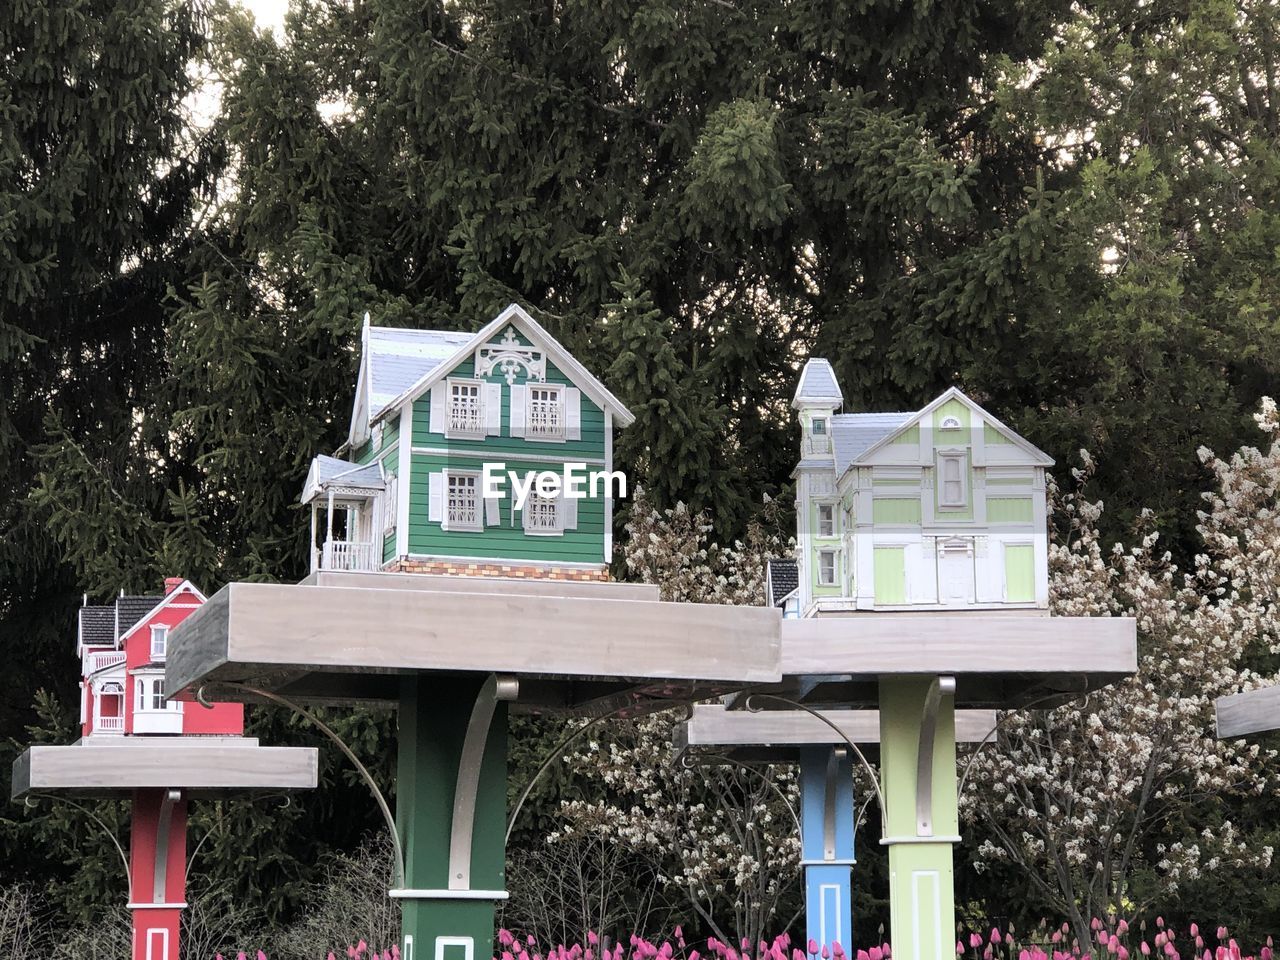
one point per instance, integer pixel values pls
(1068, 211)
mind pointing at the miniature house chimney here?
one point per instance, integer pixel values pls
(171, 584)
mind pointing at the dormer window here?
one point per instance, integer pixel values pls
(952, 492)
(545, 415)
(465, 414)
(159, 640)
(951, 423)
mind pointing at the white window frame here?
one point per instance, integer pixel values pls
(835, 567)
(950, 422)
(460, 382)
(526, 513)
(451, 524)
(556, 436)
(831, 520)
(818, 426)
(945, 458)
(163, 631)
(158, 702)
(390, 503)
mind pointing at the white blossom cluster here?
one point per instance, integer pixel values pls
(725, 834)
(1080, 797)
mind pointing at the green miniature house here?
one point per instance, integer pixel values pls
(433, 410)
(937, 509)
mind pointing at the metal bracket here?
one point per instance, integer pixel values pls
(388, 818)
(835, 756)
(160, 874)
(496, 688)
(940, 687)
(796, 705)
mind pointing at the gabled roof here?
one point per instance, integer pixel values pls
(955, 393)
(157, 604)
(817, 385)
(398, 365)
(782, 579)
(131, 610)
(330, 471)
(853, 434)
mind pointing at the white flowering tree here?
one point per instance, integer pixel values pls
(1080, 797)
(725, 835)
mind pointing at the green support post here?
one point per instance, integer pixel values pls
(921, 824)
(449, 900)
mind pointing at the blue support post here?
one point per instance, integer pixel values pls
(827, 822)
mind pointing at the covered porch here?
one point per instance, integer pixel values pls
(348, 503)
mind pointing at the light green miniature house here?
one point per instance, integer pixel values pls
(941, 508)
(433, 410)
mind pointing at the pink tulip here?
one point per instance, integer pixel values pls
(995, 935)
(813, 946)
(959, 950)
(1146, 950)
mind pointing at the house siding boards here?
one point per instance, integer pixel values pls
(507, 540)
(590, 446)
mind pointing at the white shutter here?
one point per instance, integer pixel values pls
(439, 407)
(519, 400)
(573, 413)
(435, 497)
(568, 512)
(493, 409)
(492, 518)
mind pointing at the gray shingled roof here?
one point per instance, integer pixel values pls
(131, 609)
(400, 357)
(97, 625)
(817, 383)
(783, 578)
(325, 470)
(852, 434)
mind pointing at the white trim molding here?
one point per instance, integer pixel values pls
(410, 893)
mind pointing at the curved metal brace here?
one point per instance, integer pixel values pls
(940, 687)
(556, 751)
(462, 829)
(796, 705)
(124, 858)
(160, 872)
(989, 738)
(689, 763)
(398, 863)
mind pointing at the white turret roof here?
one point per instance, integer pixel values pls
(818, 386)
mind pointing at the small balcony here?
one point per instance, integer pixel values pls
(102, 660)
(348, 555)
(815, 446)
(466, 418)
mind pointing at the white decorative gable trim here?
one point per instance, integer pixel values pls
(507, 356)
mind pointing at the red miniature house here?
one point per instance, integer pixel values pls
(122, 650)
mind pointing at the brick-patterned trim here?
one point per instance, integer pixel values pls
(466, 568)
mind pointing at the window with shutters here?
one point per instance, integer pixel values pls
(543, 514)
(466, 413)
(951, 469)
(462, 506)
(545, 415)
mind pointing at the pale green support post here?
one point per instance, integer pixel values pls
(917, 715)
(451, 768)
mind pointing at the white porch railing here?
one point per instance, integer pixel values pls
(347, 555)
(465, 418)
(543, 419)
(102, 660)
(108, 725)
